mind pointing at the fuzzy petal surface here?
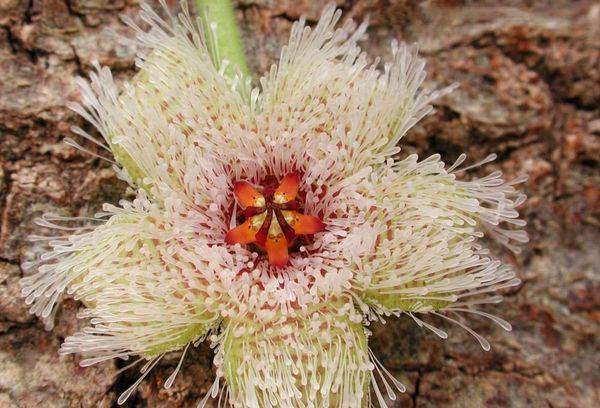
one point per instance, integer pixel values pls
(316, 358)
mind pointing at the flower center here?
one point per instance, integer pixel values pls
(272, 219)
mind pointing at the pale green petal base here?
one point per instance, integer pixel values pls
(192, 333)
(396, 303)
(319, 360)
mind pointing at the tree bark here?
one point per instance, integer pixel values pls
(529, 90)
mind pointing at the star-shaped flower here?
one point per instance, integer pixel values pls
(277, 222)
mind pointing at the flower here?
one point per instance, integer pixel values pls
(277, 222)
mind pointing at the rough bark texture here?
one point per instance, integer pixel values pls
(530, 91)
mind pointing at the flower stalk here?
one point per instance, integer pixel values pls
(225, 44)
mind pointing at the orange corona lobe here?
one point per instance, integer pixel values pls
(307, 224)
(273, 222)
(242, 234)
(277, 250)
(247, 195)
(288, 188)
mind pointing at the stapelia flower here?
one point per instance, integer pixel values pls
(275, 222)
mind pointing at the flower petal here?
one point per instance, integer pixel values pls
(152, 123)
(423, 247)
(325, 87)
(317, 359)
(143, 293)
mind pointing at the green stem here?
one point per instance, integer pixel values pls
(228, 43)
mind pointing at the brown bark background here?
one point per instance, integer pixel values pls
(530, 91)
